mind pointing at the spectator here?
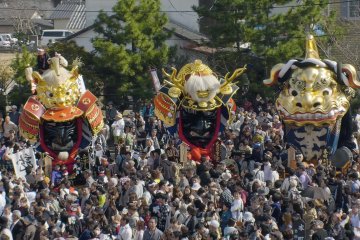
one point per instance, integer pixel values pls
(14, 115)
(152, 232)
(9, 127)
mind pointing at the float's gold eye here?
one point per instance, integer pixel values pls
(49, 94)
(327, 92)
(293, 92)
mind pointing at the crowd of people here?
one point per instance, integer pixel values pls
(140, 187)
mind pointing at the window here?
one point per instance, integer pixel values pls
(53, 34)
(354, 9)
(67, 34)
(350, 9)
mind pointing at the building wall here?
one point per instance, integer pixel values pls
(93, 6)
(183, 49)
(6, 29)
(60, 23)
(347, 48)
(84, 40)
(187, 19)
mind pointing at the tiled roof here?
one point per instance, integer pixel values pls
(78, 18)
(177, 29)
(65, 9)
(10, 13)
(183, 32)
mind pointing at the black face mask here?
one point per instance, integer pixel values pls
(199, 127)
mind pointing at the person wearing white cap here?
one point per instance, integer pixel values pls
(42, 60)
(118, 127)
(214, 229)
(248, 217)
(196, 186)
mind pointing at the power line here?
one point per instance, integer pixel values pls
(285, 38)
(180, 11)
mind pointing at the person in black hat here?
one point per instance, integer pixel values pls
(111, 113)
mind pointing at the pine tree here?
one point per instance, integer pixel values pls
(21, 91)
(132, 40)
(23, 60)
(274, 30)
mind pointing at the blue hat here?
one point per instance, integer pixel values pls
(257, 145)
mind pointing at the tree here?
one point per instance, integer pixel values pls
(275, 30)
(6, 83)
(22, 89)
(132, 40)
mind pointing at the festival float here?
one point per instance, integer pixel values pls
(63, 116)
(196, 105)
(314, 102)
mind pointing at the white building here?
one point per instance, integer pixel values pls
(183, 21)
(182, 13)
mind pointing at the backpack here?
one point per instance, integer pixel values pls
(295, 197)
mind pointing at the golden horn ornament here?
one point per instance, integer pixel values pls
(311, 48)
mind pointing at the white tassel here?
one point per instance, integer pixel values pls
(63, 156)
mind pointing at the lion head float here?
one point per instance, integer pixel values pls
(314, 101)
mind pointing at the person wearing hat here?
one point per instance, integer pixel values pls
(118, 127)
(14, 115)
(214, 229)
(248, 217)
(42, 60)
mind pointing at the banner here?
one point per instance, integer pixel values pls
(23, 159)
(81, 84)
(155, 80)
(183, 152)
(217, 151)
(47, 165)
(291, 158)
